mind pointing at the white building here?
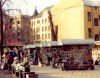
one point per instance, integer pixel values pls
(40, 26)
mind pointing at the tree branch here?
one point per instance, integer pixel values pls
(5, 2)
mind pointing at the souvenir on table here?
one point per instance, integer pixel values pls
(81, 51)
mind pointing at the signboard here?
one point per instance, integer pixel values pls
(54, 50)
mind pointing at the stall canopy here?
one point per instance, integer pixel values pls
(76, 42)
(37, 45)
(31, 46)
(25, 46)
(53, 43)
(44, 44)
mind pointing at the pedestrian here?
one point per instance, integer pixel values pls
(49, 56)
(4, 65)
(36, 57)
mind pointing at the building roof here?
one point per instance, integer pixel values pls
(41, 13)
(76, 42)
(92, 2)
(35, 13)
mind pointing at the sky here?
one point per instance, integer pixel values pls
(28, 6)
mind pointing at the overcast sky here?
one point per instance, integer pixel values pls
(27, 6)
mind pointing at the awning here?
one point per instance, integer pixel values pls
(76, 42)
(31, 46)
(37, 45)
(53, 43)
(44, 44)
(25, 46)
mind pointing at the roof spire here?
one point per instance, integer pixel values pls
(35, 12)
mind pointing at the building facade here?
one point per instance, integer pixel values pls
(40, 26)
(77, 19)
(21, 28)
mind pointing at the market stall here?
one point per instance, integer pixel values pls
(76, 53)
(55, 51)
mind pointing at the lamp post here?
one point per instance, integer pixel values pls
(1, 27)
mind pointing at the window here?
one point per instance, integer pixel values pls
(38, 21)
(18, 33)
(45, 28)
(95, 21)
(42, 21)
(45, 36)
(18, 22)
(89, 33)
(38, 29)
(38, 36)
(34, 30)
(31, 30)
(89, 16)
(48, 35)
(34, 22)
(96, 37)
(42, 36)
(42, 29)
(34, 36)
(48, 28)
(45, 20)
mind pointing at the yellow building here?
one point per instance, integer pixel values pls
(40, 26)
(21, 28)
(77, 19)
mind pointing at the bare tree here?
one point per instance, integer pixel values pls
(54, 29)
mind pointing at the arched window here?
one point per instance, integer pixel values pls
(38, 21)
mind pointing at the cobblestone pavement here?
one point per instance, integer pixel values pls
(48, 72)
(6, 74)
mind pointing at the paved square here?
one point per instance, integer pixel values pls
(48, 72)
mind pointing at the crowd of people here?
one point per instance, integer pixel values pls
(9, 55)
(34, 57)
(49, 58)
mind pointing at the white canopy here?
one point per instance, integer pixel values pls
(31, 46)
(76, 42)
(53, 43)
(44, 44)
(25, 46)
